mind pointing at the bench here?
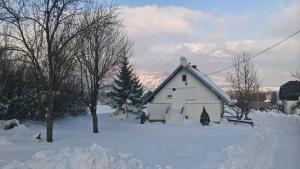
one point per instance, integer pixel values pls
(241, 121)
(235, 121)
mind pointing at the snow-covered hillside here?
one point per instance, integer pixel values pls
(274, 143)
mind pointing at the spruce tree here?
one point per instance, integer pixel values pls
(136, 92)
(273, 100)
(126, 87)
(204, 118)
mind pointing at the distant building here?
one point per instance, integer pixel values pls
(259, 100)
(183, 95)
(289, 94)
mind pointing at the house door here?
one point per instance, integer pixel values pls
(179, 97)
(182, 95)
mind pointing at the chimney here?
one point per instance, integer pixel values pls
(183, 61)
(194, 66)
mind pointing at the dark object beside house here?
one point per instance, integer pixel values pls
(204, 118)
(143, 117)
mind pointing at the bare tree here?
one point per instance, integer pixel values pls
(100, 52)
(42, 31)
(244, 83)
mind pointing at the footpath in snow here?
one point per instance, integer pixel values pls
(274, 143)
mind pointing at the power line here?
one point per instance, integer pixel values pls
(259, 53)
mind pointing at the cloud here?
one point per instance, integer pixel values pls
(199, 48)
(149, 20)
(163, 34)
(274, 64)
(287, 20)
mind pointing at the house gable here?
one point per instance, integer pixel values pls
(198, 76)
(191, 90)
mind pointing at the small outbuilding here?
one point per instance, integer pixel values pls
(183, 95)
(289, 94)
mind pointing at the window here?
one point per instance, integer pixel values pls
(184, 78)
(169, 96)
(169, 93)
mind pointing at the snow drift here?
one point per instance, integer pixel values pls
(78, 158)
(9, 124)
(273, 143)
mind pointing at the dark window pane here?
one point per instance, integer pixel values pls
(184, 78)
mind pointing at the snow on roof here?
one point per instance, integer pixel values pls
(200, 76)
(209, 83)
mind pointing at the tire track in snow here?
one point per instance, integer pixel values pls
(256, 153)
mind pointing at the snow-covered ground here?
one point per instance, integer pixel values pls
(274, 143)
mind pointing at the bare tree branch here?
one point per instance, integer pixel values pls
(244, 83)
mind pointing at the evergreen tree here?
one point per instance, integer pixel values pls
(127, 88)
(147, 95)
(136, 92)
(204, 118)
(273, 98)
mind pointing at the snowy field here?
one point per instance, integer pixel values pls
(273, 143)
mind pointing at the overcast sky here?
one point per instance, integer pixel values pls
(209, 33)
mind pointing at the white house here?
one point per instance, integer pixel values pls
(295, 108)
(183, 95)
(289, 94)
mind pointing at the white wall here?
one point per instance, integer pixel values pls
(298, 111)
(157, 111)
(194, 93)
(193, 111)
(287, 104)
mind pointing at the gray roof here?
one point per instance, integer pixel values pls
(290, 90)
(201, 77)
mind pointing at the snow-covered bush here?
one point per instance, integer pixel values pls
(78, 158)
(25, 106)
(68, 104)
(8, 124)
(23, 92)
(3, 109)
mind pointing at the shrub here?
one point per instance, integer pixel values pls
(204, 118)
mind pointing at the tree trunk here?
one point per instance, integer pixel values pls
(50, 109)
(240, 116)
(50, 95)
(81, 79)
(95, 119)
(94, 94)
(93, 108)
